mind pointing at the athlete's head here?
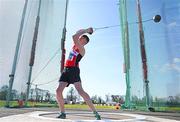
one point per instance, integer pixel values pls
(84, 39)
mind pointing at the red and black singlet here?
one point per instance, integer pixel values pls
(74, 58)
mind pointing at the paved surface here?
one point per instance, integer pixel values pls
(49, 115)
(76, 115)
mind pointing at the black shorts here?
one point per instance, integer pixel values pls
(70, 75)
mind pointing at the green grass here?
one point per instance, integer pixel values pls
(12, 103)
(168, 109)
(68, 106)
(161, 108)
(79, 106)
(39, 104)
(44, 104)
(2, 103)
(29, 104)
(83, 106)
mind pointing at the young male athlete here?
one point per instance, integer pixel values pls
(71, 72)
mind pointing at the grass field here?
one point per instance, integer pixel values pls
(12, 103)
(69, 106)
(162, 108)
(39, 104)
(79, 106)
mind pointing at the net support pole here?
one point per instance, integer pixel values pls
(33, 49)
(63, 50)
(126, 52)
(143, 54)
(11, 80)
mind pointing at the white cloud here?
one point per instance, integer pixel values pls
(176, 60)
(172, 24)
(175, 66)
(169, 67)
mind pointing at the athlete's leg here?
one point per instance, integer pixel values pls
(59, 95)
(85, 96)
(87, 99)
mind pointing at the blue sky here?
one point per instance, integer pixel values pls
(101, 68)
(160, 40)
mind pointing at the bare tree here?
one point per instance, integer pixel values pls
(71, 96)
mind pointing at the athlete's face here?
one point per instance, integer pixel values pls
(83, 40)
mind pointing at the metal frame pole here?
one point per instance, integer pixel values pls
(143, 54)
(63, 39)
(33, 49)
(125, 42)
(11, 80)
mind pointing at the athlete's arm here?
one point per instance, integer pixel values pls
(77, 35)
(76, 39)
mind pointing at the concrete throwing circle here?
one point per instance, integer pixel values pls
(89, 117)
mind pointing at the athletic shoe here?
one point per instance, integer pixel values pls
(98, 117)
(62, 116)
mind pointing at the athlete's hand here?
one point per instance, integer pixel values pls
(80, 31)
(90, 30)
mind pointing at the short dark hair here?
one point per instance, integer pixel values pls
(87, 38)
